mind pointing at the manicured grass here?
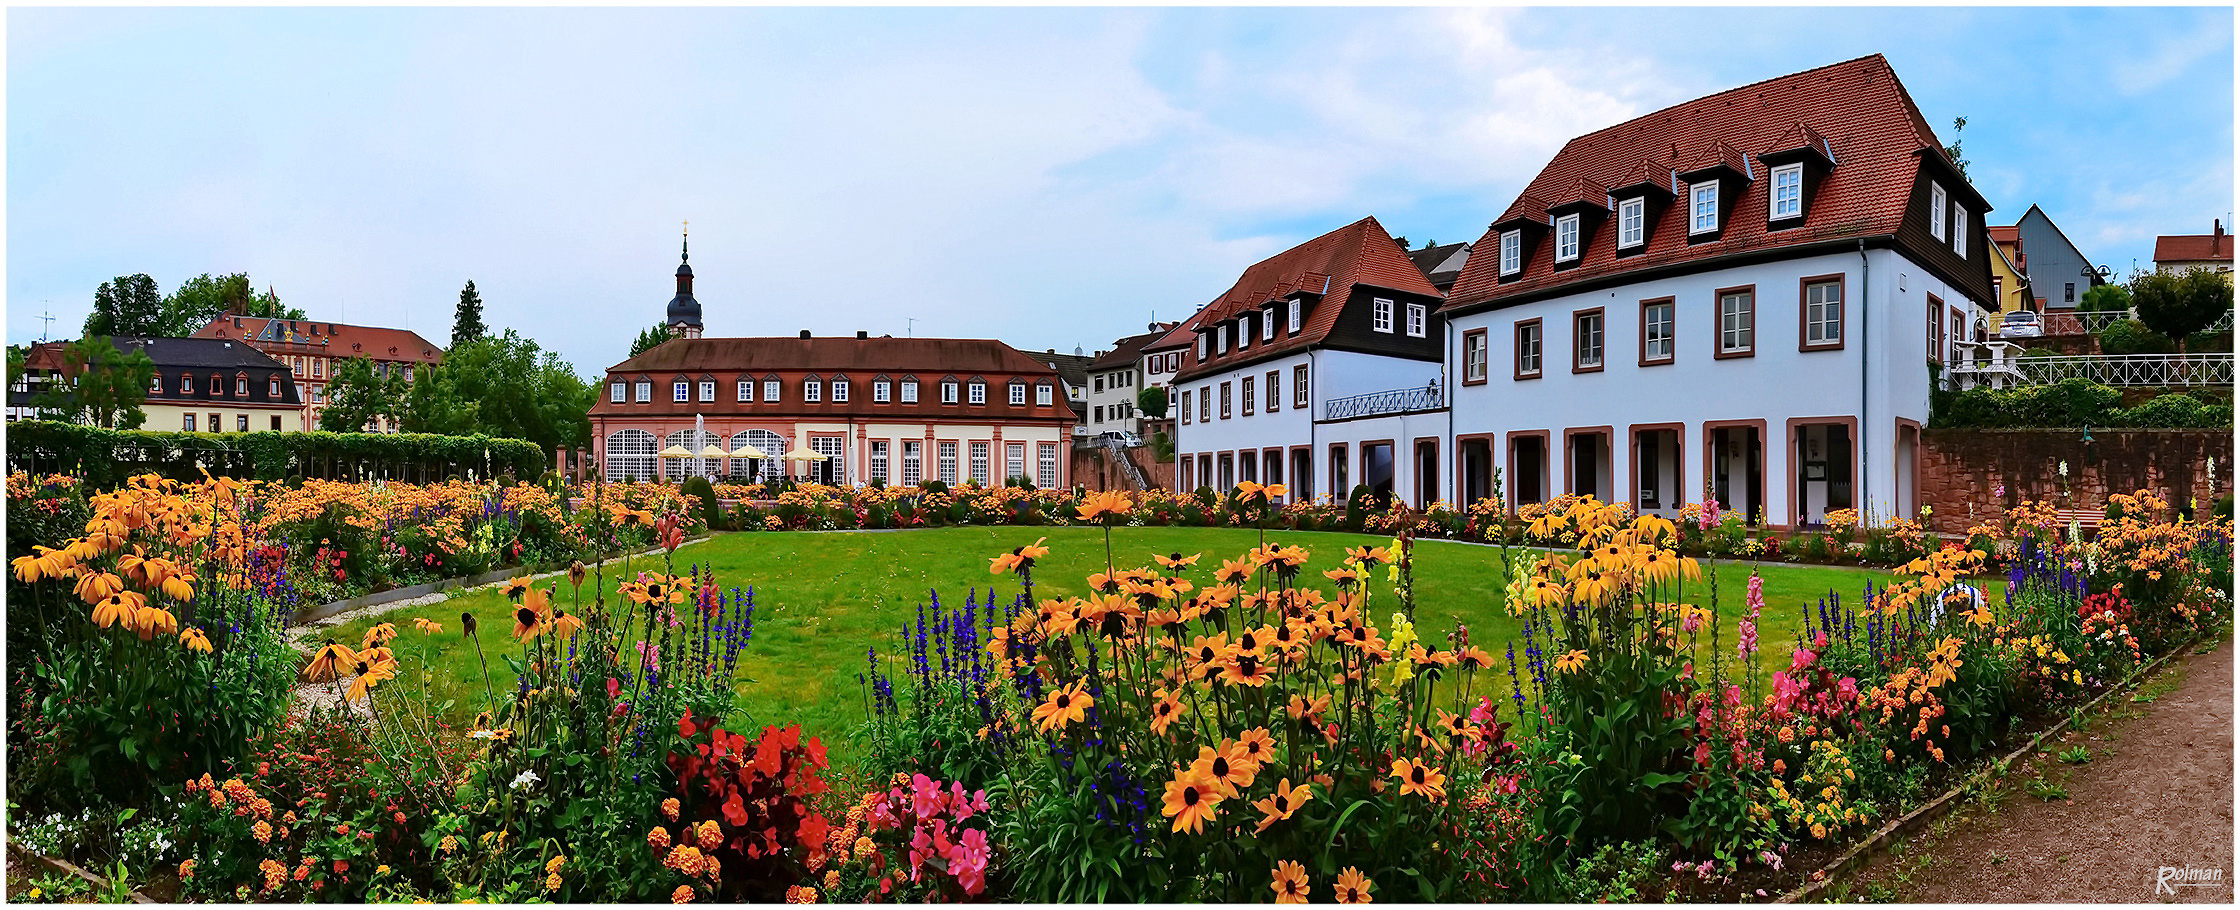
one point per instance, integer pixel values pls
(822, 599)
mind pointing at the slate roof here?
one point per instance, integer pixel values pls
(1126, 351)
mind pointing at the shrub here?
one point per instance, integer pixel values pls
(710, 510)
(105, 458)
(2130, 336)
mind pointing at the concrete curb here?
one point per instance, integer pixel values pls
(330, 609)
(1827, 876)
(67, 867)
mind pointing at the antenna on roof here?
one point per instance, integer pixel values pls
(46, 320)
(910, 327)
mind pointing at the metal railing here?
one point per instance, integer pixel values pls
(1390, 401)
(2092, 323)
(2112, 370)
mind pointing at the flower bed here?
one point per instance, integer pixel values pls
(1206, 727)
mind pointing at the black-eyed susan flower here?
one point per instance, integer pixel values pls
(1571, 662)
(1290, 883)
(517, 587)
(330, 662)
(121, 607)
(1418, 778)
(194, 640)
(379, 635)
(1277, 806)
(1191, 801)
(1225, 767)
(1164, 710)
(1065, 705)
(1109, 504)
(1354, 887)
(1177, 562)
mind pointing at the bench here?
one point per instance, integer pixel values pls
(2086, 520)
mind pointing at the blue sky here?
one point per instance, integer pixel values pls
(1052, 178)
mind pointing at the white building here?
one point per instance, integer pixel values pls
(1783, 261)
(1318, 369)
(1116, 376)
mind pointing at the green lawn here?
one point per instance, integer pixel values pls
(822, 599)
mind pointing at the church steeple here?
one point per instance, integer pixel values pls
(684, 312)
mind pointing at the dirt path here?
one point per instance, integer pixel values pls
(2157, 792)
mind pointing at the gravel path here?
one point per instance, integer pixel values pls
(2158, 792)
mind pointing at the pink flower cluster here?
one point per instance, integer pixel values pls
(935, 818)
(1756, 601)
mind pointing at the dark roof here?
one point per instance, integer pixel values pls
(1073, 368)
(200, 356)
(323, 338)
(1329, 266)
(1441, 264)
(1855, 111)
(1127, 351)
(2193, 247)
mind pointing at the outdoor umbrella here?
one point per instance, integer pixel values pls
(676, 452)
(801, 454)
(746, 450)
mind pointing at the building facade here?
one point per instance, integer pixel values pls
(2058, 271)
(2179, 253)
(1286, 370)
(1784, 262)
(880, 410)
(2010, 278)
(211, 385)
(1160, 361)
(313, 349)
(1116, 377)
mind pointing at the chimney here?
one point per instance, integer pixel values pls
(2216, 241)
(804, 333)
(862, 334)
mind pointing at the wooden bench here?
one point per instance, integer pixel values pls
(2086, 520)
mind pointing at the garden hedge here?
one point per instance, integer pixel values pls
(104, 458)
(2074, 402)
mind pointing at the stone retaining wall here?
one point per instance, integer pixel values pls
(1962, 469)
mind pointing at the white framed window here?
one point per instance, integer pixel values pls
(879, 460)
(1512, 252)
(1419, 319)
(1018, 393)
(1630, 216)
(1738, 322)
(707, 390)
(1380, 315)
(1205, 403)
(1202, 345)
(949, 391)
(1823, 313)
(1937, 210)
(1046, 465)
(1298, 309)
(1703, 208)
(840, 391)
(1244, 331)
(681, 391)
(186, 422)
(913, 462)
(1587, 336)
(772, 390)
(977, 393)
(1268, 324)
(1656, 331)
(909, 391)
(1528, 348)
(1042, 394)
(812, 390)
(241, 422)
(1185, 409)
(1014, 460)
(945, 461)
(1221, 339)
(980, 457)
(746, 390)
(618, 392)
(1474, 357)
(645, 391)
(1567, 238)
(882, 391)
(1960, 230)
(1787, 200)
(1299, 386)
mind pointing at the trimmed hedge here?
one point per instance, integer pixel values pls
(2075, 402)
(105, 458)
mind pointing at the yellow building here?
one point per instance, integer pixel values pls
(211, 385)
(2007, 268)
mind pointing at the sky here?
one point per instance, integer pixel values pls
(1054, 178)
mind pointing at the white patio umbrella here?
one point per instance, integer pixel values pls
(803, 454)
(747, 450)
(676, 452)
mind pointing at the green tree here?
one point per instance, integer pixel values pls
(268, 305)
(2105, 298)
(649, 339)
(356, 394)
(1152, 401)
(466, 321)
(521, 391)
(1953, 151)
(433, 404)
(127, 305)
(99, 385)
(203, 298)
(2178, 306)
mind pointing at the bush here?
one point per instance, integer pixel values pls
(2175, 410)
(104, 458)
(699, 488)
(2130, 336)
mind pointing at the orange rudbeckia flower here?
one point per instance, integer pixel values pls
(1064, 706)
(1291, 883)
(1417, 777)
(1191, 801)
(1353, 887)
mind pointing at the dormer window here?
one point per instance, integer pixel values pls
(1018, 392)
(707, 390)
(156, 385)
(645, 391)
(772, 390)
(1202, 343)
(1567, 238)
(1512, 252)
(1042, 394)
(681, 391)
(746, 390)
(1703, 208)
(909, 391)
(1630, 218)
(881, 391)
(1788, 193)
(977, 393)
(839, 391)
(1244, 331)
(1937, 209)
(1268, 324)
(272, 387)
(812, 391)
(1221, 339)
(1297, 308)
(1380, 316)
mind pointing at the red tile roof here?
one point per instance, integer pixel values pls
(861, 360)
(2005, 233)
(1181, 336)
(1332, 265)
(2193, 247)
(1856, 110)
(319, 337)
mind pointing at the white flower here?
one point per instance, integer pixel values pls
(2064, 469)
(524, 781)
(483, 734)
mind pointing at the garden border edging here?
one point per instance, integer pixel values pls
(1913, 821)
(67, 867)
(337, 607)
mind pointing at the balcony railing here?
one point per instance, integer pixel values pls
(2112, 370)
(1390, 401)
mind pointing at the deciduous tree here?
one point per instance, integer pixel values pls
(99, 385)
